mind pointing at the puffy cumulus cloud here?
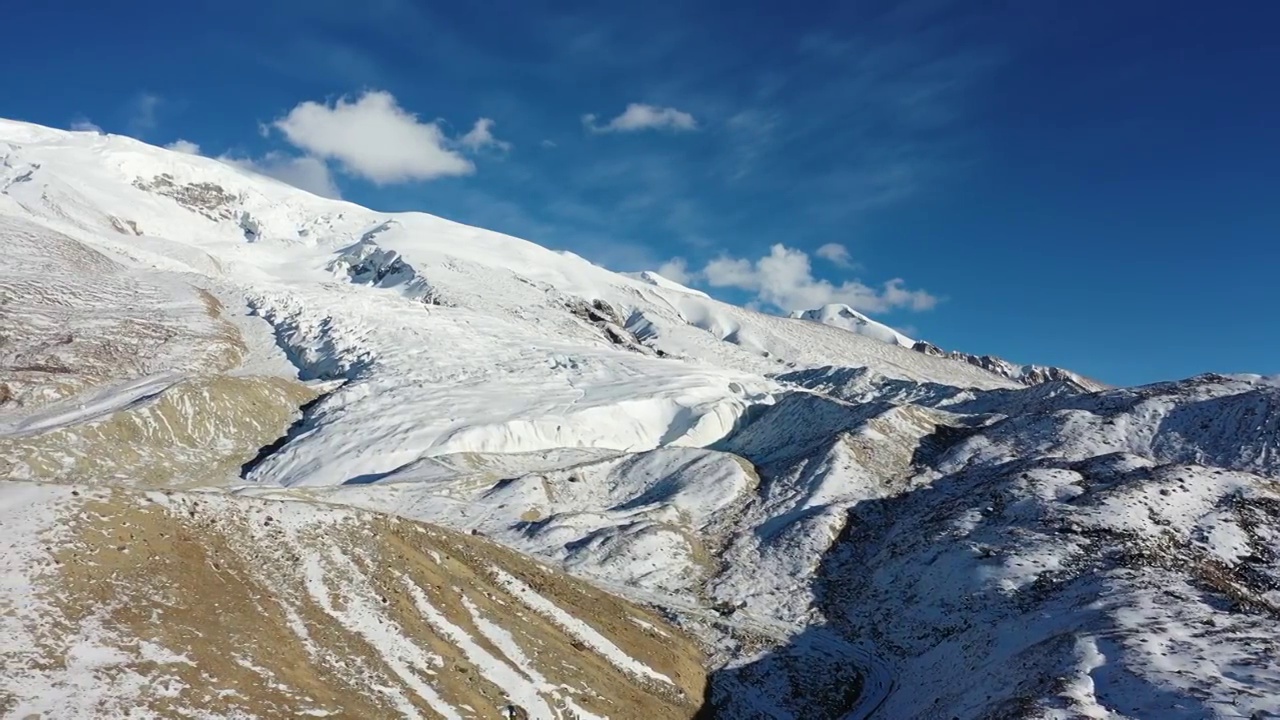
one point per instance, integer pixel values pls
(730, 272)
(784, 279)
(185, 147)
(677, 271)
(639, 116)
(835, 253)
(303, 172)
(374, 138)
(480, 136)
(895, 295)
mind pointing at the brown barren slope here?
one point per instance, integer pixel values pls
(210, 605)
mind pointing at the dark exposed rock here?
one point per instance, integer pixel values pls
(367, 263)
(205, 198)
(606, 318)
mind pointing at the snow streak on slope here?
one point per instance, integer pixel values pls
(319, 612)
(652, 521)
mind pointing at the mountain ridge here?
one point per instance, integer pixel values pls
(846, 318)
(840, 526)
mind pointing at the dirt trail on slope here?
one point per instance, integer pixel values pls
(239, 606)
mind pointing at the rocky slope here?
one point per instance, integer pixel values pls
(171, 604)
(1025, 374)
(1119, 549)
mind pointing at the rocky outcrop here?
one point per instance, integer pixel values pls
(367, 263)
(204, 198)
(606, 319)
(1025, 374)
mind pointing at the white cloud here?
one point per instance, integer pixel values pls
(835, 253)
(548, 143)
(677, 271)
(83, 124)
(373, 137)
(784, 279)
(730, 272)
(184, 146)
(639, 116)
(143, 113)
(305, 172)
(481, 136)
(897, 296)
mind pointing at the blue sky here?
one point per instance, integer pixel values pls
(1093, 185)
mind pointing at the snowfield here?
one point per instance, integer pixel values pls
(848, 522)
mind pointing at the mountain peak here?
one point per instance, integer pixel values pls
(657, 280)
(846, 318)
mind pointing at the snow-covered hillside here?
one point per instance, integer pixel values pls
(849, 524)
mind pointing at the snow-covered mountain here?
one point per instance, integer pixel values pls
(846, 318)
(847, 526)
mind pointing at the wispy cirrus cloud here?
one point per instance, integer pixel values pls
(480, 136)
(639, 116)
(83, 124)
(803, 133)
(143, 113)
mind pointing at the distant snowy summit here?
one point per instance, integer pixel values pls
(846, 318)
(657, 280)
